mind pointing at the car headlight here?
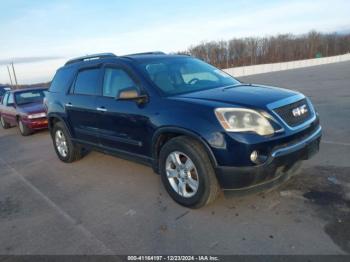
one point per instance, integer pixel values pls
(39, 115)
(243, 120)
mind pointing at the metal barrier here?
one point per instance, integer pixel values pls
(266, 68)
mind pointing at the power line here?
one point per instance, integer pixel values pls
(8, 70)
(14, 74)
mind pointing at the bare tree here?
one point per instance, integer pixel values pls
(280, 48)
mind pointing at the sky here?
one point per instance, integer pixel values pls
(39, 36)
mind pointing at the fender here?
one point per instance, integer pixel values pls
(53, 115)
(181, 131)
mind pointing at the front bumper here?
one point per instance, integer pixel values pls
(275, 170)
(36, 124)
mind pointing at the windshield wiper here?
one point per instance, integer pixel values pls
(240, 84)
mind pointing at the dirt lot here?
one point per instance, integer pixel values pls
(104, 205)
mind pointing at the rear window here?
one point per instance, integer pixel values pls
(87, 82)
(29, 97)
(61, 80)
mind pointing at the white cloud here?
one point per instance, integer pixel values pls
(285, 17)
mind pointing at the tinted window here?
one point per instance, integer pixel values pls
(61, 80)
(10, 100)
(116, 80)
(33, 96)
(183, 75)
(87, 82)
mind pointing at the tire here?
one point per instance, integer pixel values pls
(4, 124)
(23, 129)
(66, 150)
(202, 173)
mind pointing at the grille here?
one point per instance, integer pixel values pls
(286, 113)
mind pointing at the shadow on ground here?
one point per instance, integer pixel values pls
(327, 190)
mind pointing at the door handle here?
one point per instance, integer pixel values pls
(101, 109)
(69, 104)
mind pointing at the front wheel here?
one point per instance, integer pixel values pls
(4, 124)
(187, 172)
(23, 129)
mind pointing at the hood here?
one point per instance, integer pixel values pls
(31, 108)
(244, 95)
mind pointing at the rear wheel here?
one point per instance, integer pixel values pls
(23, 129)
(4, 124)
(66, 150)
(187, 172)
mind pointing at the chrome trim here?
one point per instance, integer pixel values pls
(68, 105)
(285, 101)
(101, 109)
(290, 100)
(297, 146)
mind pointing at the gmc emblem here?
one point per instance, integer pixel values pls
(299, 111)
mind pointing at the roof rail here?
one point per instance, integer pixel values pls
(148, 53)
(89, 57)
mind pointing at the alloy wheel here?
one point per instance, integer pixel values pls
(182, 174)
(21, 127)
(61, 143)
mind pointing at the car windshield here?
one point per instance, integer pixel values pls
(184, 75)
(28, 97)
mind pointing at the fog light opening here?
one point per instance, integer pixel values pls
(258, 158)
(254, 157)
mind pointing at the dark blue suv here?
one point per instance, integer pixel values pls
(198, 127)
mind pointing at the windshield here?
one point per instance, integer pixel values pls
(28, 97)
(183, 75)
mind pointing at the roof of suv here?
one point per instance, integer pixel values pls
(110, 56)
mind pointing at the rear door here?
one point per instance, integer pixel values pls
(81, 104)
(123, 125)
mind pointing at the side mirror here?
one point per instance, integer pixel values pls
(131, 94)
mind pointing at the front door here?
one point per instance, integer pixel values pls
(123, 125)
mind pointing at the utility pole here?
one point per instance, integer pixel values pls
(14, 75)
(8, 70)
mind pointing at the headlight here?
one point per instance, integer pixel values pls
(39, 115)
(243, 120)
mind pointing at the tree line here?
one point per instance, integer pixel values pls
(273, 49)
